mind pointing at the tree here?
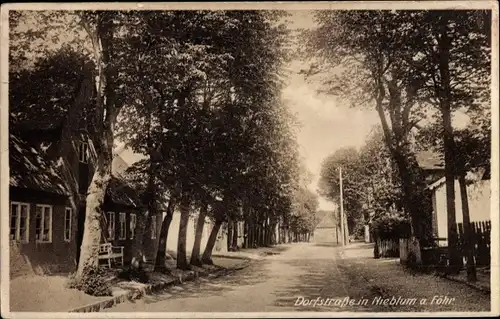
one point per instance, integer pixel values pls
(98, 29)
(453, 58)
(366, 49)
(348, 160)
(57, 76)
(381, 184)
(303, 216)
(101, 30)
(472, 146)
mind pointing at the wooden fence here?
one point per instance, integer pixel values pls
(388, 248)
(481, 237)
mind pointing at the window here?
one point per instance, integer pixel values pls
(43, 228)
(83, 152)
(111, 225)
(67, 224)
(133, 222)
(19, 221)
(122, 226)
(153, 227)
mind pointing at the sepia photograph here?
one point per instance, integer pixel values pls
(293, 159)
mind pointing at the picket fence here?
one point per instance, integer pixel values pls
(481, 237)
(388, 248)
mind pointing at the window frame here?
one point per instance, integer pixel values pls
(122, 222)
(83, 154)
(111, 230)
(18, 222)
(42, 226)
(68, 229)
(133, 217)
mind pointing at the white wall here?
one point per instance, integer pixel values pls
(479, 197)
(173, 233)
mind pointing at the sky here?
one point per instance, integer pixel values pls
(326, 124)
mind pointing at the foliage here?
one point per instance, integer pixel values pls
(370, 181)
(381, 182)
(348, 160)
(303, 215)
(41, 95)
(95, 283)
(391, 226)
(472, 142)
(359, 230)
(201, 105)
(370, 58)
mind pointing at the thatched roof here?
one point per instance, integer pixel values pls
(120, 192)
(30, 169)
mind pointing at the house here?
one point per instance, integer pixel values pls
(431, 164)
(478, 194)
(51, 161)
(479, 199)
(46, 222)
(327, 231)
(42, 217)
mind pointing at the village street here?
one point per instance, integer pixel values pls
(315, 274)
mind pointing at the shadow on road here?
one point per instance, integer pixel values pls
(207, 287)
(327, 245)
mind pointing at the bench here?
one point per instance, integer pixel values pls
(111, 253)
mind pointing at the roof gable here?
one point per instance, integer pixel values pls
(328, 220)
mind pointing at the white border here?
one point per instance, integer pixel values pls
(374, 5)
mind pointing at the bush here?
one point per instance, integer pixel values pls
(359, 231)
(387, 227)
(94, 282)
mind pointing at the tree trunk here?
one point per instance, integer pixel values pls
(449, 144)
(278, 233)
(251, 234)
(200, 225)
(92, 228)
(407, 170)
(413, 197)
(229, 234)
(107, 112)
(207, 254)
(144, 223)
(138, 257)
(264, 234)
(471, 267)
(258, 231)
(245, 234)
(160, 262)
(234, 243)
(182, 262)
(255, 230)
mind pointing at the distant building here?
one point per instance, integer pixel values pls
(328, 230)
